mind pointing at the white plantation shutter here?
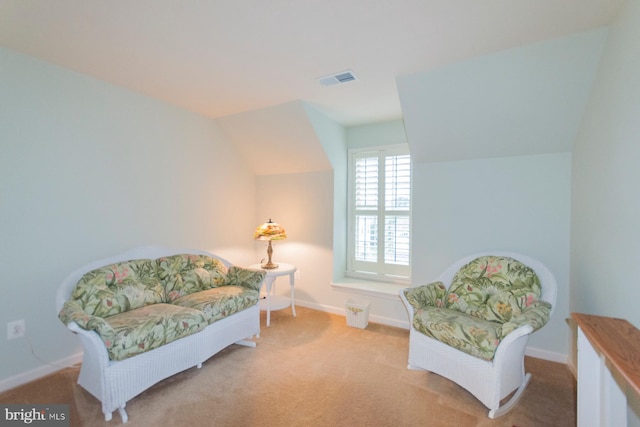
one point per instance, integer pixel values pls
(379, 213)
(366, 238)
(397, 183)
(366, 170)
(397, 204)
(366, 203)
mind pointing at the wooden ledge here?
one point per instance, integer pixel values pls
(616, 339)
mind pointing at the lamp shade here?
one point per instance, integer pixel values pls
(270, 231)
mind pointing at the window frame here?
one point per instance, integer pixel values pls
(378, 270)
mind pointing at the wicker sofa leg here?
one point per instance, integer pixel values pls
(495, 413)
(123, 414)
(246, 343)
(414, 367)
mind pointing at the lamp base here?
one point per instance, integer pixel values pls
(269, 265)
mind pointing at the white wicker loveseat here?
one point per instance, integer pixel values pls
(151, 312)
(471, 325)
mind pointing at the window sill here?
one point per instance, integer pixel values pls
(367, 287)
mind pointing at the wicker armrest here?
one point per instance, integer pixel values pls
(431, 294)
(250, 279)
(536, 315)
(73, 312)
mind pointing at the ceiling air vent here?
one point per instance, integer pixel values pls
(339, 78)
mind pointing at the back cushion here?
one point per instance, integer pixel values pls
(493, 288)
(185, 274)
(119, 287)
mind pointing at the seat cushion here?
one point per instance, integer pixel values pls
(218, 303)
(467, 333)
(493, 288)
(119, 287)
(149, 327)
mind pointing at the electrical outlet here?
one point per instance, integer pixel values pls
(16, 329)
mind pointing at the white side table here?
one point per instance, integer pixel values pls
(276, 302)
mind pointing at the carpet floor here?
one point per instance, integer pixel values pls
(313, 370)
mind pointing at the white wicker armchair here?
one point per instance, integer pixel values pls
(490, 381)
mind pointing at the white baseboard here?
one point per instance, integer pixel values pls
(547, 355)
(343, 312)
(39, 372)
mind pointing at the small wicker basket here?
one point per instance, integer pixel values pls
(357, 313)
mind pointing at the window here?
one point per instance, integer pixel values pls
(379, 241)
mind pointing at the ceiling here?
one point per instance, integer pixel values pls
(224, 57)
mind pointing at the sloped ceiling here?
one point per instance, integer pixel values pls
(250, 63)
(277, 140)
(522, 101)
(221, 58)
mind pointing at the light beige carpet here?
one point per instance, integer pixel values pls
(313, 370)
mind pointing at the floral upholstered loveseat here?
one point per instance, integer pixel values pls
(472, 323)
(152, 312)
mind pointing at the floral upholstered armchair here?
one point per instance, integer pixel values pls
(472, 324)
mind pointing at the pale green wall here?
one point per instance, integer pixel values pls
(516, 204)
(605, 205)
(333, 138)
(606, 197)
(88, 169)
(521, 101)
(491, 139)
(382, 133)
